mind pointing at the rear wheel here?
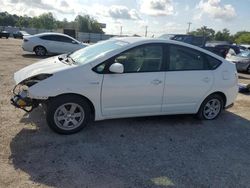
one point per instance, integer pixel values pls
(40, 51)
(68, 114)
(211, 107)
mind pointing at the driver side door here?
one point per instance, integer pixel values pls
(139, 89)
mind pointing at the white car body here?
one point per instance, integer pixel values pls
(51, 45)
(133, 94)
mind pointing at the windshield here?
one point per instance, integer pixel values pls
(94, 51)
(244, 54)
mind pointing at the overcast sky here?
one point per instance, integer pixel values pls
(161, 16)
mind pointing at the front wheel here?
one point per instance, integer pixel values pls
(211, 107)
(68, 114)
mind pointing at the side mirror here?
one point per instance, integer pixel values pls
(116, 68)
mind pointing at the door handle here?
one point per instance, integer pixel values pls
(206, 79)
(156, 82)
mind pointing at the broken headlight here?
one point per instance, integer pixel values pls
(35, 79)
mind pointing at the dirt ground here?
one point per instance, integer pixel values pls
(166, 151)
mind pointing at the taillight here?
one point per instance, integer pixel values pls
(25, 40)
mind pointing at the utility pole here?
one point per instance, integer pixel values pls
(189, 25)
(146, 31)
(121, 30)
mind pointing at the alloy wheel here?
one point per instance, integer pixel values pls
(69, 116)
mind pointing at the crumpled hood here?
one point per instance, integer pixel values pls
(46, 66)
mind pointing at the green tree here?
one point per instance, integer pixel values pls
(87, 24)
(243, 38)
(224, 35)
(7, 19)
(23, 21)
(204, 31)
(44, 21)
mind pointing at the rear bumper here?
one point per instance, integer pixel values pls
(26, 47)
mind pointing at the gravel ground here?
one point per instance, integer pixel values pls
(166, 151)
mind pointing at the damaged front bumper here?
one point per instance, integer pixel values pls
(21, 100)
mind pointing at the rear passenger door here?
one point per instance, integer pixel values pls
(188, 80)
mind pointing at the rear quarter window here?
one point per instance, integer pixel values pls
(213, 63)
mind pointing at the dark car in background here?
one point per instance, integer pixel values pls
(242, 61)
(190, 39)
(4, 34)
(221, 48)
(20, 34)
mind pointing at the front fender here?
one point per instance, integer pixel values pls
(85, 83)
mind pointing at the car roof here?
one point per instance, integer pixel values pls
(51, 33)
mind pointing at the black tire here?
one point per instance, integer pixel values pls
(53, 110)
(204, 109)
(40, 51)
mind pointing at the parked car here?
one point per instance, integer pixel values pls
(127, 77)
(247, 46)
(222, 48)
(217, 50)
(51, 43)
(4, 34)
(242, 61)
(190, 39)
(20, 34)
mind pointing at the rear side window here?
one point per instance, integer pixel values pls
(64, 39)
(57, 38)
(183, 58)
(47, 37)
(213, 63)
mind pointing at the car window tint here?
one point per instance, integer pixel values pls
(212, 62)
(46, 37)
(57, 38)
(64, 39)
(183, 58)
(142, 59)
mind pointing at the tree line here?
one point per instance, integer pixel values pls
(241, 37)
(47, 21)
(90, 25)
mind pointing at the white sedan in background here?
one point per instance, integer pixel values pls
(51, 43)
(127, 77)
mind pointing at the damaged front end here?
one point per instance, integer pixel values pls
(21, 98)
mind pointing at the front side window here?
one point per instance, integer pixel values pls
(183, 58)
(146, 58)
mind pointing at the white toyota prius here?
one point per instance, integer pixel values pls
(126, 77)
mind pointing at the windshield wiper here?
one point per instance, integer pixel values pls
(71, 59)
(60, 58)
